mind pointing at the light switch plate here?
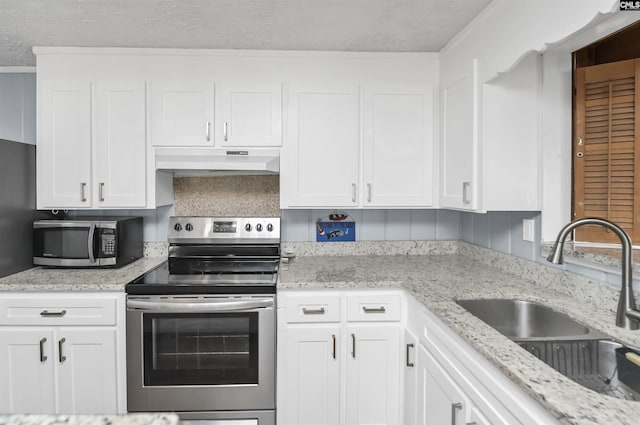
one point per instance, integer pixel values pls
(528, 229)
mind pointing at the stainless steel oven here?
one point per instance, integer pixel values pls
(201, 328)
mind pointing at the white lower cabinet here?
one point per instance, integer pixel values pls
(373, 379)
(379, 357)
(27, 383)
(332, 371)
(441, 400)
(311, 376)
(50, 364)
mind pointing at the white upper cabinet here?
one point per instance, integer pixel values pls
(320, 157)
(91, 161)
(182, 113)
(324, 157)
(64, 145)
(120, 145)
(460, 110)
(248, 114)
(398, 146)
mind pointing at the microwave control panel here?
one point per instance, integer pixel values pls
(108, 243)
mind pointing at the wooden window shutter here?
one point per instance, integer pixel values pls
(606, 148)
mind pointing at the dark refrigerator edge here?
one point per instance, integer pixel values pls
(17, 206)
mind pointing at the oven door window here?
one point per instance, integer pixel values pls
(200, 348)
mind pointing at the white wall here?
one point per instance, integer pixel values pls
(18, 107)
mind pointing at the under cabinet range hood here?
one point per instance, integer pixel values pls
(195, 161)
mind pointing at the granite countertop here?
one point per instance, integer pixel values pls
(40, 279)
(130, 419)
(438, 280)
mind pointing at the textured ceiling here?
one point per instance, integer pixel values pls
(341, 25)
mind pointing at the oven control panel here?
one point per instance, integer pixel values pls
(223, 228)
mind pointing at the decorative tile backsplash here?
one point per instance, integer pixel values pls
(228, 196)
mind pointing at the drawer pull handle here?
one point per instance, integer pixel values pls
(43, 358)
(47, 313)
(353, 342)
(60, 356)
(334, 346)
(312, 310)
(409, 363)
(380, 309)
(454, 408)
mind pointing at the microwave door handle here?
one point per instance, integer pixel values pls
(200, 307)
(90, 242)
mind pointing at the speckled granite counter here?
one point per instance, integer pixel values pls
(41, 279)
(130, 419)
(438, 280)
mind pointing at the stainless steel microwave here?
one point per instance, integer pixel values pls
(87, 242)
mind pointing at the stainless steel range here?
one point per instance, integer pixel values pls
(201, 328)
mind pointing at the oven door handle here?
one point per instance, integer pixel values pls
(200, 307)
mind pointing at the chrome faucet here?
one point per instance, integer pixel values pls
(627, 316)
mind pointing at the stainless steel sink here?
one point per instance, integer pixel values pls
(590, 363)
(580, 353)
(525, 320)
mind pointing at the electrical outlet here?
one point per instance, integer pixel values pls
(528, 229)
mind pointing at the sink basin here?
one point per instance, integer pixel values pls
(590, 363)
(525, 320)
(580, 353)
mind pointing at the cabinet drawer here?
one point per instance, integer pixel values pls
(373, 308)
(319, 309)
(25, 310)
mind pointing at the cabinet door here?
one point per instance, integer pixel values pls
(182, 113)
(119, 145)
(440, 400)
(27, 370)
(311, 380)
(373, 372)
(410, 375)
(86, 360)
(320, 156)
(460, 142)
(249, 115)
(398, 146)
(477, 418)
(64, 145)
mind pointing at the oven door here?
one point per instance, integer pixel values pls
(200, 353)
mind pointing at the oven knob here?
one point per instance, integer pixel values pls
(188, 227)
(247, 227)
(177, 227)
(259, 227)
(269, 227)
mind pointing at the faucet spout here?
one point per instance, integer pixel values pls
(627, 316)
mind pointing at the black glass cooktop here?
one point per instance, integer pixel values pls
(160, 281)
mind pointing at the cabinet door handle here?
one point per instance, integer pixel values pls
(83, 186)
(47, 313)
(368, 192)
(208, 129)
(472, 423)
(353, 345)
(353, 192)
(465, 193)
(334, 346)
(226, 132)
(380, 309)
(312, 310)
(101, 192)
(454, 409)
(60, 356)
(409, 363)
(43, 358)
